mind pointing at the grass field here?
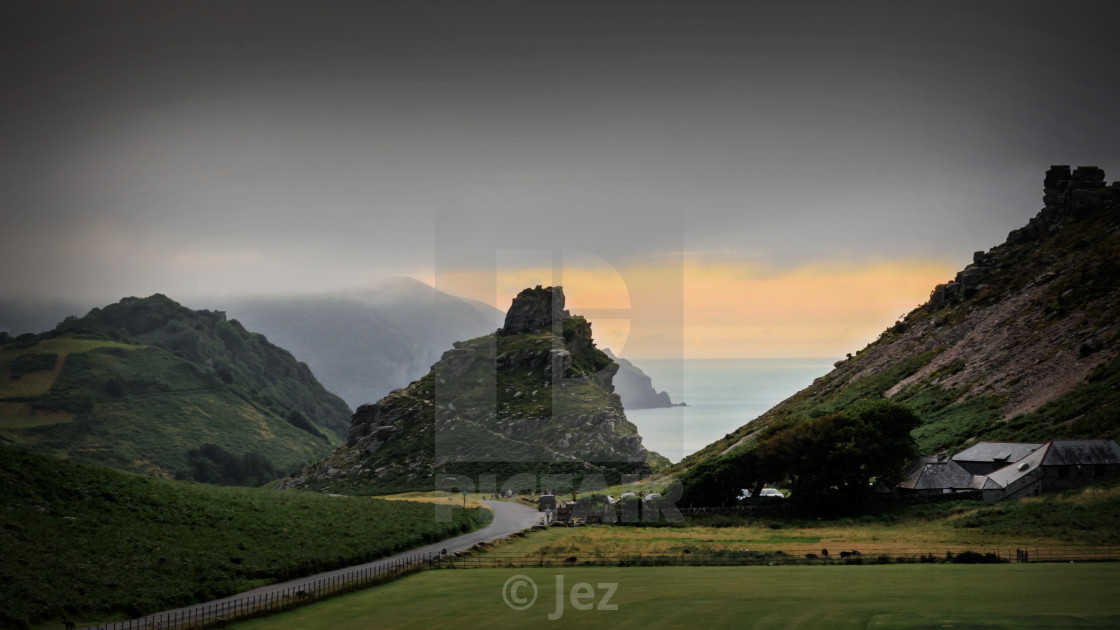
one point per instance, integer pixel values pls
(1076, 517)
(438, 497)
(95, 544)
(881, 597)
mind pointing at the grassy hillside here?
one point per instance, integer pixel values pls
(146, 385)
(1024, 344)
(92, 543)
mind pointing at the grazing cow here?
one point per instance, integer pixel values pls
(686, 551)
(824, 552)
(812, 556)
(571, 559)
(845, 554)
(856, 553)
(779, 553)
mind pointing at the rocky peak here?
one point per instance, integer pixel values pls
(1067, 196)
(536, 396)
(535, 310)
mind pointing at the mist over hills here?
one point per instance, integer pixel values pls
(361, 345)
(1022, 345)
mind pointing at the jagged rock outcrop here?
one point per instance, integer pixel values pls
(536, 396)
(535, 310)
(1067, 197)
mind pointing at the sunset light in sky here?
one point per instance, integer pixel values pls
(728, 310)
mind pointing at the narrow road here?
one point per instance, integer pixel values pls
(508, 519)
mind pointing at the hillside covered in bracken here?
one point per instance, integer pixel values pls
(1022, 345)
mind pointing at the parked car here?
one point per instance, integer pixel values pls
(627, 495)
(772, 492)
(744, 494)
(653, 496)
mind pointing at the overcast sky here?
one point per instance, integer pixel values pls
(196, 148)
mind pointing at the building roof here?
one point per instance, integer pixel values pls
(932, 473)
(1082, 452)
(996, 451)
(1019, 469)
(981, 482)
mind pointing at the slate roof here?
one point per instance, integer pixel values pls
(1025, 466)
(1082, 453)
(930, 473)
(995, 451)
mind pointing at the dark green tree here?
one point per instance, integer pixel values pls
(837, 457)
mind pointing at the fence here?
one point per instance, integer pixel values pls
(778, 507)
(801, 555)
(217, 614)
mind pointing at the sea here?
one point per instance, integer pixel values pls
(720, 395)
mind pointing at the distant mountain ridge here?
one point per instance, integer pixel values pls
(147, 385)
(1022, 345)
(530, 398)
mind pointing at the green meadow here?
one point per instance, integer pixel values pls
(881, 597)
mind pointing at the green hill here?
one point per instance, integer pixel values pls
(92, 544)
(146, 385)
(531, 398)
(1022, 345)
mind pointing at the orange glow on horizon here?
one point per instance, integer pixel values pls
(819, 309)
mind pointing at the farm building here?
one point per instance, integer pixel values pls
(986, 457)
(1076, 463)
(936, 474)
(1055, 465)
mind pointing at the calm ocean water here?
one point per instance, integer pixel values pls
(721, 394)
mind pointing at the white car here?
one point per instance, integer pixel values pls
(627, 495)
(772, 492)
(653, 496)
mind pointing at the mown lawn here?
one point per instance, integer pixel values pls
(882, 597)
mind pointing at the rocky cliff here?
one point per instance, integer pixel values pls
(1023, 344)
(534, 397)
(635, 387)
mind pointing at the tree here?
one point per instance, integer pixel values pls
(831, 459)
(837, 457)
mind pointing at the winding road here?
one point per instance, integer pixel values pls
(508, 519)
